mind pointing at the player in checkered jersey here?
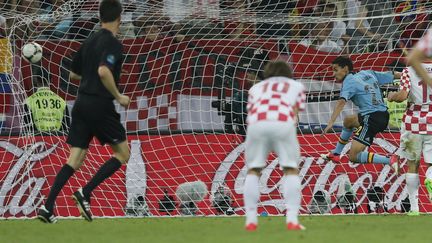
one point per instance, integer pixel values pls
(419, 54)
(272, 107)
(416, 130)
(363, 90)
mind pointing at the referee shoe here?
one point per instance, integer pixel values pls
(82, 204)
(46, 216)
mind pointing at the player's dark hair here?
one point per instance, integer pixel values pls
(110, 10)
(277, 69)
(343, 61)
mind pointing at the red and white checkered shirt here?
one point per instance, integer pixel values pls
(275, 99)
(425, 43)
(418, 116)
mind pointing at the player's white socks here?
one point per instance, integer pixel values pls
(428, 173)
(291, 190)
(251, 196)
(413, 182)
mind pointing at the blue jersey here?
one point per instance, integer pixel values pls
(363, 89)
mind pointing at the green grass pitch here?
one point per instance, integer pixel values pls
(365, 229)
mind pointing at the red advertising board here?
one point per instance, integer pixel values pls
(28, 169)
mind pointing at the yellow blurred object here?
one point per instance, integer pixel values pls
(396, 111)
(5, 56)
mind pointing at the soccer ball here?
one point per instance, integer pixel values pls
(32, 52)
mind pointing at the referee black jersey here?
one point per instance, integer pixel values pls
(101, 48)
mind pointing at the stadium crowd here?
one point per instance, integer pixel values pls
(379, 25)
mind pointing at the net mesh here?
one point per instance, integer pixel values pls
(187, 65)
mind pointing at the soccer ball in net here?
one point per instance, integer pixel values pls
(32, 52)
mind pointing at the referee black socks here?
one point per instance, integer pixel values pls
(105, 171)
(62, 177)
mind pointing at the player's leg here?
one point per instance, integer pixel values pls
(413, 183)
(286, 146)
(121, 156)
(372, 124)
(291, 191)
(79, 139)
(411, 147)
(357, 154)
(107, 128)
(251, 196)
(256, 152)
(82, 196)
(427, 155)
(350, 123)
(76, 158)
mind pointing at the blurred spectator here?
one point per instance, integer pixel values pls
(237, 25)
(25, 7)
(358, 26)
(338, 32)
(45, 25)
(298, 31)
(49, 26)
(412, 26)
(149, 29)
(276, 6)
(319, 38)
(152, 29)
(6, 7)
(82, 26)
(2, 27)
(127, 28)
(152, 14)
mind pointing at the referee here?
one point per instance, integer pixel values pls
(98, 65)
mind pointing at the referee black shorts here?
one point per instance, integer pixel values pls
(370, 125)
(95, 116)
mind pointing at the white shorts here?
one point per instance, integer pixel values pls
(265, 137)
(413, 145)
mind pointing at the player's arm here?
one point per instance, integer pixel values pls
(404, 88)
(300, 103)
(347, 92)
(336, 112)
(107, 79)
(75, 76)
(399, 96)
(415, 59)
(419, 54)
(109, 60)
(387, 77)
(76, 67)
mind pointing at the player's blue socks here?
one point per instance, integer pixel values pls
(367, 158)
(343, 140)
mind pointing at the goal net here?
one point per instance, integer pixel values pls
(187, 67)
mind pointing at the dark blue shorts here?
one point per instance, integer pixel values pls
(370, 125)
